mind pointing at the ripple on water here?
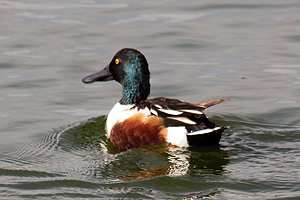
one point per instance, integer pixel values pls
(79, 156)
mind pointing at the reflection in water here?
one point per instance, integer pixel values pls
(82, 151)
(208, 160)
(147, 162)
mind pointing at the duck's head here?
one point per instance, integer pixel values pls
(129, 67)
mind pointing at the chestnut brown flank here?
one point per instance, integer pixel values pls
(138, 131)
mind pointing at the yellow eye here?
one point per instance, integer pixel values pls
(117, 61)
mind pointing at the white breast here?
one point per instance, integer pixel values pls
(121, 112)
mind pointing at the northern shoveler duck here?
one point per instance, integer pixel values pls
(136, 121)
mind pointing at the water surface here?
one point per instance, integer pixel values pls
(53, 142)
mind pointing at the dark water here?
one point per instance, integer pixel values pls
(52, 139)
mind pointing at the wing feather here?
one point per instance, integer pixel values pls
(179, 113)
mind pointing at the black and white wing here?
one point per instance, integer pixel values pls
(179, 113)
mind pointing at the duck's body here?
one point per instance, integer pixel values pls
(136, 121)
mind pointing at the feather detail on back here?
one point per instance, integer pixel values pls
(179, 113)
(178, 105)
(184, 120)
(207, 104)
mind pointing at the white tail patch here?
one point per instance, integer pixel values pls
(170, 112)
(183, 119)
(177, 136)
(204, 131)
(193, 111)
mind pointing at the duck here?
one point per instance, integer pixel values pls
(136, 121)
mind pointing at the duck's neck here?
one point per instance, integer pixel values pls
(134, 94)
(136, 85)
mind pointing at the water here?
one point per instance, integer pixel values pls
(53, 142)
